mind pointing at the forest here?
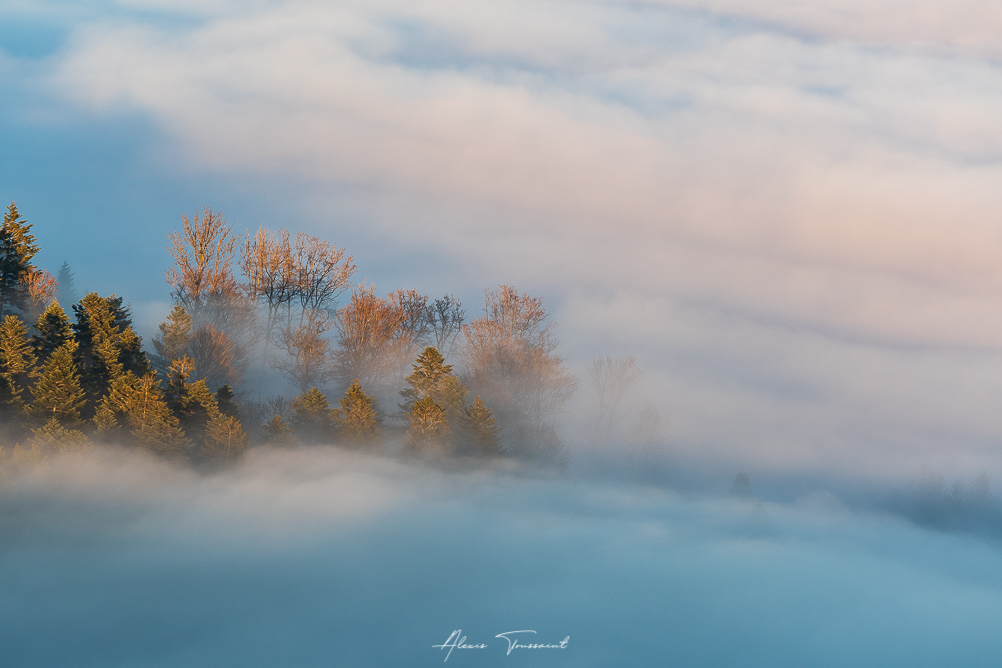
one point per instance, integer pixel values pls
(403, 373)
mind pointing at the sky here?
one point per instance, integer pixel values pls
(786, 212)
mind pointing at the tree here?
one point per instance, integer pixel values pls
(224, 399)
(446, 317)
(16, 362)
(17, 248)
(374, 345)
(357, 423)
(307, 359)
(312, 418)
(278, 432)
(108, 345)
(485, 434)
(40, 288)
(612, 379)
(54, 435)
(429, 430)
(508, 354)
(218, 358)
(53, 329)
(225, 439)
(67, 290)
(172, 341)
(203, 251)
(191, 403)
(139, 405)
(58, 392)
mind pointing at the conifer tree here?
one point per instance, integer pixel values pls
(53, 435)
(430, 370)
(16, 361)
(67, 291)
(429, 430)
(191, 403)
(20, 231)
(278, 432)
(58, 391)
(224, 399)
(54, 330)
(357, 424)
(138, 404)
(225, 439)
(485, 439)
(312, 418)
(172, 342)
(108, 346)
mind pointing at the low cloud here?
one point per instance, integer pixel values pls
(316, 557)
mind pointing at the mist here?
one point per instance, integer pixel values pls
(316, 557)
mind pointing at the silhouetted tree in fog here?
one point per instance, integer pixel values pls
(612, 378)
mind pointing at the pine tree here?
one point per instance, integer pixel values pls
(58, 392)
(312, 419)
(429, 430)
(485, 439)
(67, 293)
(139, 405)
(108, 345)
(224, 399)
(172, 342)
(225, 439)
(430, 370)
(357, 424)
(16, 361)
(53, 331)
(20, 231)
(191, 403)
(53, 435)
(278, 432)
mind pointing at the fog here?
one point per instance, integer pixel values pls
(314, 557)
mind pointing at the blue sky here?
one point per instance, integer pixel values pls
(787, 213)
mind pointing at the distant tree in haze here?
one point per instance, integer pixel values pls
(217, 357)
(307, 350)
(224, 399)
(67, 290)
(312, 417)
(374, 343)
(278, 432)
(225, 439)
(429, 429)
(508, 355)
(172, 341)
(484, 432)
(446, 316)
(357, 421)
(612, 379)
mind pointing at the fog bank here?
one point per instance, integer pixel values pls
(319, 558)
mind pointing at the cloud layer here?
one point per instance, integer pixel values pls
(787, 211)
(317, 558)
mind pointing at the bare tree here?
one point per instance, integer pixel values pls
(203, 251)
(374, 344)
(612, 379)
(269, 265)
(322, 273)
(41, 288)
(508, 357)
(307, 360)
(415, 316)
(446, 317)
(217, 357)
